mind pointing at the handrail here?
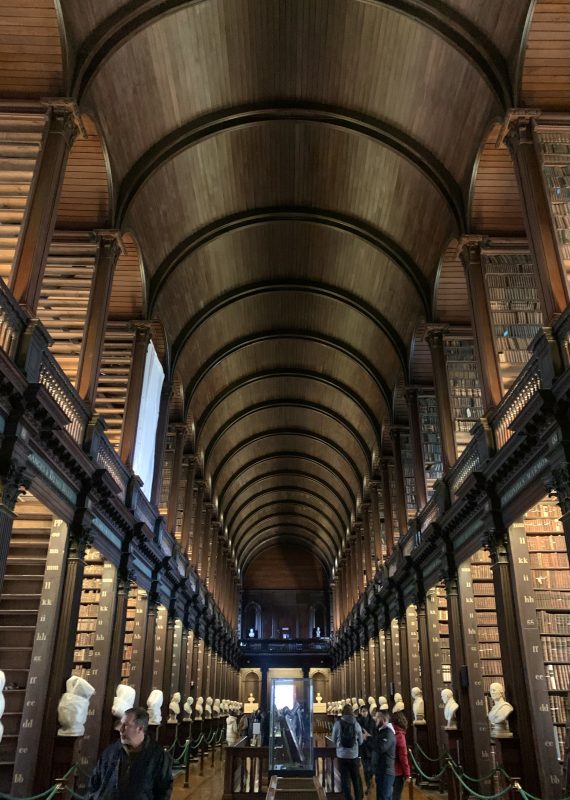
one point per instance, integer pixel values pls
(107, 458)
(525, 386)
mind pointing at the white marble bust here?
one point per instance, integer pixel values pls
(199, 708)
(500, 710)
(418, 706)
(450, 707)
(208, 708)
(188, 708)
(398, 703)
(73, 706)
(216, 708)
(154, 707)
(123, 700)
(383, 703)
(174, 708)
(251, 698)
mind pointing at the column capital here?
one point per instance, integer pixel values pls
(65, 118)
(110, 237)
(142, 329)
(516, 126)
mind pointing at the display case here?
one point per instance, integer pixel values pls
(291, 727)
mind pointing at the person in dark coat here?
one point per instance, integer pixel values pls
(383, 754)
(135, 767)
(366, 722)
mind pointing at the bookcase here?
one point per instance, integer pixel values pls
(463, 386)
(113, 380)
(166, 474)
(408, 469)
(413, 647)
(554, 148)
(88, 611)
(487, 628)
(443, 629)
(395, 524)
(551, 582)
(514, 307)
(129, 633)
(431, 441)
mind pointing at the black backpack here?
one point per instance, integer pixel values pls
(347, 733)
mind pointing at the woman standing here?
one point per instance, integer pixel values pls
(401, 765)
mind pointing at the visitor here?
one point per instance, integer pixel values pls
(383, 745)
(134, 767)
(347, 736)
(367, 724)
(402, 764)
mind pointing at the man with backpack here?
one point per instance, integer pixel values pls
(347, 735)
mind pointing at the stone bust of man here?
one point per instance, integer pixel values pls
(450, 707)
(418, 706)
(499, 712)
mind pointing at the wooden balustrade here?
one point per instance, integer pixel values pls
(54, 379)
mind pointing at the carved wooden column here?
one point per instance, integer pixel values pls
(387, 503)
(109, 249)
(168, 654)
(116, 653)
(173, 494)
(521, 656)
(358, 531)
(400, 494)
(132, 405)
(435, 340)
(405, 688)
(389, 659)
(148, 657)
(11, 479)
(189, 511)
(417, 447)
(197, 527)
(488, 366)
(367, 543)
(62, 661)
(520, 138)
(31, 255)
(202, 560)
(428, 686)
(374, 525)
(160, 441)
(214, 550)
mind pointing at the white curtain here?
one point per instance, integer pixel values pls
(143, 461)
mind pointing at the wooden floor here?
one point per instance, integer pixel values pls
(211, 786)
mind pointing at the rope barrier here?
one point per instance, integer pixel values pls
(528, 795)
(423, 774)
(428, 758)
(472, 791)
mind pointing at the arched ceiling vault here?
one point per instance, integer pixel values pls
(293, 173)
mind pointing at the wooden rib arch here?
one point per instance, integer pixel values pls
(380, 131)
(264, 336)
(307, 535)
(285, 487)
(272, 215)
(283, 455)
(308, 527)
(443, 21)
(245, 413)
(281, 539)
(298, 433)
(335, 460)
(285, 502)
(318, 377)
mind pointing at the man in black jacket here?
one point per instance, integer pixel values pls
(134, 768)
(384, 753)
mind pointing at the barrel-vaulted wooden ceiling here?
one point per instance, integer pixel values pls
(292, 171)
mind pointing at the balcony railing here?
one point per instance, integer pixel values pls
(279, 646)
(12, 321)
(54, 379)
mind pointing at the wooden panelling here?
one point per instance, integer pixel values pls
(495, 198)
(546, 71)
(285, 567)
(451, 299)
(20, 143)
(114, 378)
(421, 369)
(84, 199)
(31, 59)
